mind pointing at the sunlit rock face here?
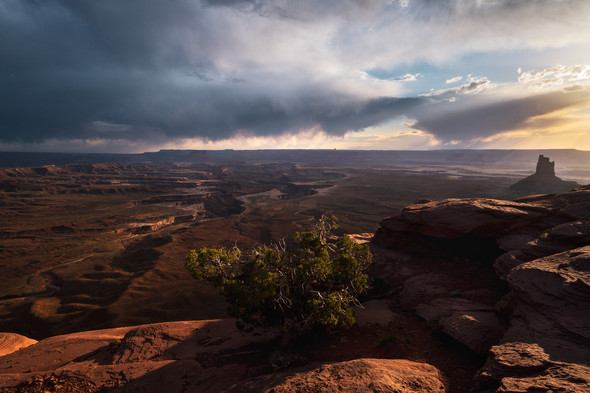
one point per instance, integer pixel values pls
(12, 342)
(360, 375)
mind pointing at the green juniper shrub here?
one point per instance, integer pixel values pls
(314, 284)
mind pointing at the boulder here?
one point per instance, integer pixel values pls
(557, 239)
(517, 367)
(559, 378)
(361, 375)
(517, 357)
(147, 342)
(11, 342)
(473, 324)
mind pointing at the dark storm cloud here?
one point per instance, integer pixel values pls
(145, 65)
(370, 113)
(66, 64)
(111, 69)
(448, 121)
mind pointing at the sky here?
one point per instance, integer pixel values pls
(143, 75)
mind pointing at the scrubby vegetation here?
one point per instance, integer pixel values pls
(312, 284)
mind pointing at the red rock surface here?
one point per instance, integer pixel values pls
(557, 239)
(11, 342)
(474, 324)
(194, 356)
(163, 357)
(475, 218)
(546, 344)
(456, 218)
(542, 347)
(355, 376)
(519, 367)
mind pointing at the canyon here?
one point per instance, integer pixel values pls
(95, 254)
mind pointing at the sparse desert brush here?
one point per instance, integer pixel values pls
(313, 284)
(393, 338)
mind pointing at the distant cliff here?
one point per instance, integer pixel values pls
(543, 181)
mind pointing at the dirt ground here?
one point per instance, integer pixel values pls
(106, 248)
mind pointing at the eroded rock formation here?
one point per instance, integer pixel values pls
(545, 167)
(547, 344)
(476, 325)
(361, 375)
(12, 342)
(163, 357)
(538, 334)
(193, 356)
(543, 181)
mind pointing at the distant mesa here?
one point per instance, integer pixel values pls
(543, 181)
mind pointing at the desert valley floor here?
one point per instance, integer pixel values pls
(96, 245)
(103, 245)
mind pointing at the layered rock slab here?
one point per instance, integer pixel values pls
(560, 238)
(518, 367)
(355, 376)
(472, 221)
(456, 218)
(163, 357)
(11, 342)
(546, 345)
(473, 324)
(554, 296)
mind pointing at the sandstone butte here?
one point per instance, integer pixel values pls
(530, 317)
(542, 181)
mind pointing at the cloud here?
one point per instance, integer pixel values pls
(453, 80)
(127, 70)
(474, 85)
(406, 77)
(488, 116)
(556, 75)
(368, 114)
(480, 110)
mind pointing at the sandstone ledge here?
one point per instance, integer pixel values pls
(361, 375)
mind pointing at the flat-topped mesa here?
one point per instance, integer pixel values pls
(545, 167)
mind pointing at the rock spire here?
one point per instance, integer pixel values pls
(545, 167)
(543, 181)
